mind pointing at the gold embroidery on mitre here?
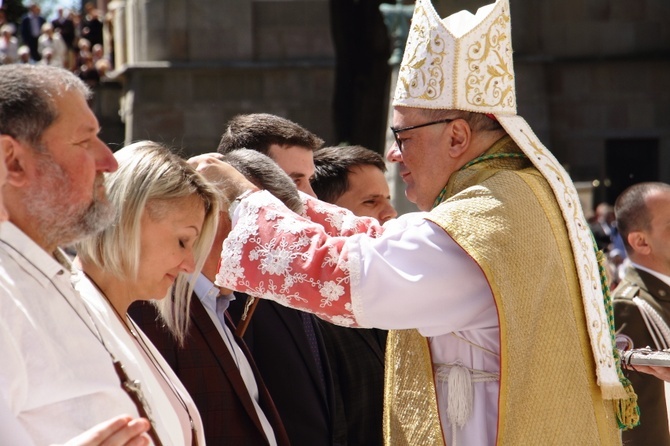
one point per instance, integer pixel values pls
(473, 72)
(490, 79)
(421, 74)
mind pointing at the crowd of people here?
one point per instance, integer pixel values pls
(267, 293)
(72, 41)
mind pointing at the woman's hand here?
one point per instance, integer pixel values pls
(123, 430)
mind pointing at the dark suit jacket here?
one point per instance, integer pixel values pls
(277, 340)
(653, 428)
(603, 239)
(208, 371)
(356, 357)
(66, 28)
(28, 38)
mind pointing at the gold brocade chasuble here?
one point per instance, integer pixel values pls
(503, 213)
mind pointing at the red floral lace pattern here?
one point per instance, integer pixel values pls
(299, 262)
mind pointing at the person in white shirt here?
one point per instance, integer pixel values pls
(9, 45)
(52, 41)
(164, 227)
(57, 380)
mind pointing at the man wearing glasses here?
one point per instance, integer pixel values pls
(503, 335)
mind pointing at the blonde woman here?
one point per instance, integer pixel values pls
(166, 219)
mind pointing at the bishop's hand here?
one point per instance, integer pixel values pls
(230, 182)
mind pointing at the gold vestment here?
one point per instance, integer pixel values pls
(503, 213)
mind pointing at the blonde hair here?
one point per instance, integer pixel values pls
(150, 172)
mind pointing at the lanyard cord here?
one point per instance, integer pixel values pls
(134, 332)
(443, 192)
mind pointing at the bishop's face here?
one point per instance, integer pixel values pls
(423, 158)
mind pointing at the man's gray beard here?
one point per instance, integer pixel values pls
(59, 221)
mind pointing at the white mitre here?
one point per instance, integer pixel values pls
(464, 62)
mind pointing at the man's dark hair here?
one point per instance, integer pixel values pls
(265, 174)
(258, 131)
(332, 166)
(631, 211)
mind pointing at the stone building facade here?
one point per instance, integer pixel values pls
(591, 75)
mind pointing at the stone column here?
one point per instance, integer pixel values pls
(117, 10)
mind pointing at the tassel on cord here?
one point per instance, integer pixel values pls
(628, 412)
(459, 400)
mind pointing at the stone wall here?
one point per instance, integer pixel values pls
(188, 106)
(188, 66)
(589, 72)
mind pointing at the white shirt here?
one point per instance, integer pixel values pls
(57, 45)
(9, 50)
(209, 296)
(55, 375)
(170, 418)
(12, 431)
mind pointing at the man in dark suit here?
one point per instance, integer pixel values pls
(287, 344)
(214, 364)
(31, 28)
(65, 26)
(352, 177)
(210, 372)
(642, 299)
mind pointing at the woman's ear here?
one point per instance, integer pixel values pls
(461, 136)
(14, 156)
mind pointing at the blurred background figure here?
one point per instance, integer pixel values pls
(91, 25)
(31, 28)
(54, 42)
(604, 229)
(9, 45)
(47, 58)
(86, 69)
(24, 55)
(64, 26)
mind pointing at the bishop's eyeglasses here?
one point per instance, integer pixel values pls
(395, 131)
